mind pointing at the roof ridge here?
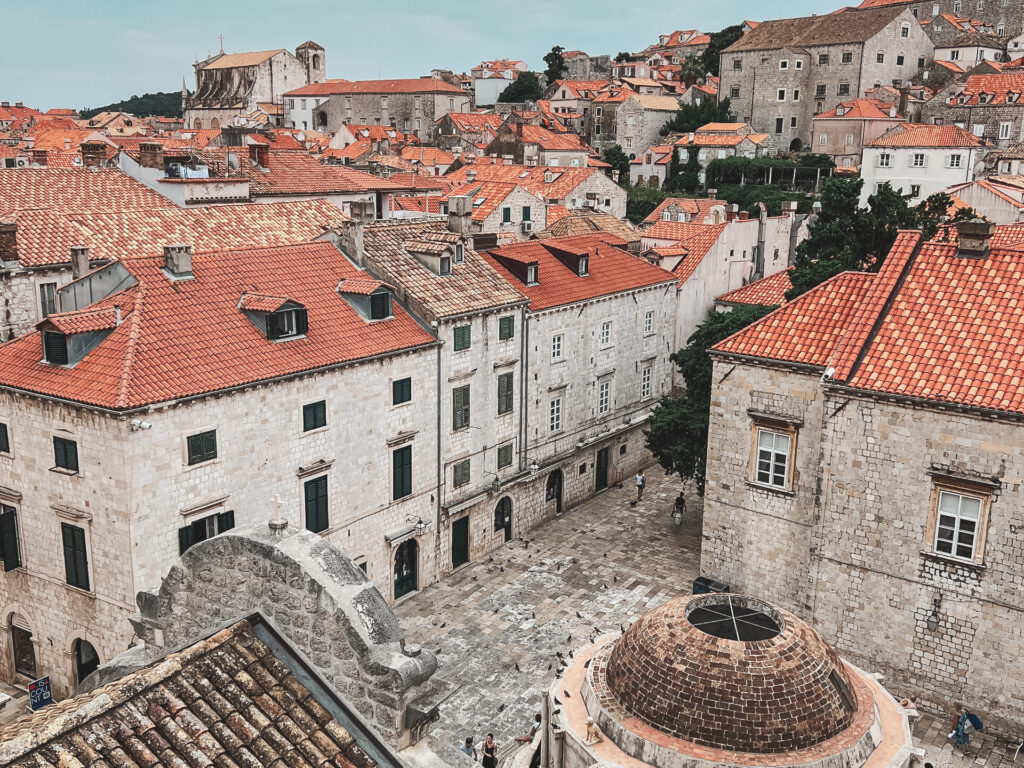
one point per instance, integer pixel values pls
(134, 332)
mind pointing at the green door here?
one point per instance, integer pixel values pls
(460, 541)
(406, 565)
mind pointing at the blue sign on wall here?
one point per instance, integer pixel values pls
(39, 693)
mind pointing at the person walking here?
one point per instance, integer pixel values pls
(641, 481)
(962, 727)
(490, 752)
(468, 748)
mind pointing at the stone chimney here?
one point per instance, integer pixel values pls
(712, 193)
(975, 238)
(8, 241)
(93, 153)
(460, 214)
(615, 176)
(470, 174)
(258, 154)
(151, 155)
(350, 238)
(38, 156)
(79, 261)
(178, 261)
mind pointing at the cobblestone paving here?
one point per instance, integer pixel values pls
(497, 625)
(985, 750)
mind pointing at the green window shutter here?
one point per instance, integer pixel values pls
(314, 415)
(402, 471)
(506, 327)
(463, 338)
(186, 538)
(9, 551)
(506, 215)
(5, 440)
(209, 445)
(225, 521)
(65, 453)
(505, 394)
(273, 326)
(460, 407)
(505, 456)
(526, 213)
(301, 321)
(460, 474)
(401, 391)
(195, 449)
(76, 564)
(316, 504)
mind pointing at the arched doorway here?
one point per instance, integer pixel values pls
(554, 490)
(197, 124)
(796, 145)
(214, 123)
(406, 568)
(86, 660)
(503, 517)
(23, 648)
(321, 120)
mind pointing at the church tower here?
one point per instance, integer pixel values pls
(312, 57)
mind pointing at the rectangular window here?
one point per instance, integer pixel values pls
(915, 190)
(819, 90)
(645, 381)
(884, 160)
(784, 64)
(737, 63)
(822, 59)
(5, 439)
(65, 454)
(10, 552)
(899, 61)
(880, 57)
(462, 337)
(506, 215)
(905, 31)
(823, 138)
(848, 140)
(76, 561)
(798, 64)
(796, 94)
(380, 306)
(401, 391)
(202, 447)
(460, 408)
(55, 348)
(604, 396)
(734, 92)
(773, 458)
(1004, 130)
(847, 57)
(778, 124)
(792, 122)
(401, 472)
(844, 89)
(314, 415)
(606, 333)
(506, 327)
(918, 161)
(781, 95)
(505, 456)
(953, 161)
(957, 524)
(505, 393)
(954, 55)
(648, 322)
(47, 299)
(460, 474)
(203, 529)
(316, 504)
(556, 347)
(555, 415)
(526, 213)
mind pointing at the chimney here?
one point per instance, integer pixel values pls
(151, 155)
(743, 215)
(79, 261)
(93, 153)
(350, 238)
(470, 174)
(904, 99)
(712, 193)
(67, 145)
(460, 214)
(975, 237)
(8, 241)
(615, 176)
(178, 261)
(38, 156)
(258, 154)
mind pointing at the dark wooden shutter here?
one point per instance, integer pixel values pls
(526, 213)
(195, 449)
(460, 407)
(379, 306)
(65, 453)
(186, 538)
(76, 564)
(402, 472)
(9, 550)
(316, 504)
(314, 415)
(463, 338)
(301, 321)
(5, 440)
(225, 521)
(401, 391)
(55, 347)
(273, 326)
(209, 445)
(504, 392)
(506, 327)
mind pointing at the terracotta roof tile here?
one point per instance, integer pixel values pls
(768, 291)
(84, 321)
(588, 222)
(924, 135)
(996, 87)
(696, 207)
(416, 85)
(563, 181)
(851, 26)
(697, 239)
(249, 59)
(290, 172)
(860, 109)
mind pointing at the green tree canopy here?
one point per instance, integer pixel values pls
(526, 87)
(678, 429)
(166, 104)
(618, 160)
(719, 42)
(625, 56)
(690, 117)
(683, 178)
(556, 64)
(691, 70)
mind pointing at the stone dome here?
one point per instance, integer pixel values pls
(731, 672)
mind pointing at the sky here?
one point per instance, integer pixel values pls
(59, 53)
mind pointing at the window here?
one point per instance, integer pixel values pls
(506, 215)
(5, 439)
(954, 55)
(792, 122)
(606, 333)
(847, 57)
(76, 562)
(781, 96)
(451, 103)
(778, 124)
(505, 456)
(314, 415)
(645, 381)
(920, 62)
(885, 160)
(822, 59)
(819, 90)
(201, 447)
(773, 458)
(506, 327)
(919, 160)
(844, 89)
(460, 407)
(316, 504)
(47, 299)
(648, 322)
(444, 267)
(286, 323)
(506, 390)
(915, 190)
(899, 61)
(55, 348)
(880, 57)
(401, 472)
(796, 94)
(401, 391)
(460, 474)
(604, 396)
(380, 306)
(935, 9)
(527, 213)
(734, 92)
(203, 529)
(10, 552)
(953, 161)
(957, 524)
(905, 30)
(1004, 130)
(599, 111)
(462, 337)
(531, 274)
(384, 102)
(555, 415)
(784, 64)
(957, 7)
(737, 63)
(65, 454)
(583, 266)
(798, 64)
(823, 138)
(597, 128)
(556, 347)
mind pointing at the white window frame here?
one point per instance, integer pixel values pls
(780, 94)
(783, 63)
(950, 526)
(884, 160)
(822, 139)
(646, 381)
(958, 161)
(606, 333)
(649, 322)
(557, 347)
(604, 396)
(918, 160)
(798, 64)
(773, 453)
(555, 415)
(1004, 130)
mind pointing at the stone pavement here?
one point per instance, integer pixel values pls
(497, 625)
(985, 750)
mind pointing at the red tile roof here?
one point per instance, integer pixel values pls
(427, 156)
(564, 179)
(291, 172)
(612, 270)
(697, 239)
(417, 85)
(996, 87)
(419, 181)
(84, 322)
(417, 204)
(545, 139)
(486, 196)
(662, 153)
(768, 291)
(860, 109)
(929, 136)
(185, 338)
(475, 121)
(326, 88)
(696, 207)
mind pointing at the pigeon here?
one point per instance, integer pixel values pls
(570, 654)
(444, 624)
(517, 667)
(579, 615)
(622, 629)
(615, 578)
(568, 639)
(501, 707)
(550, 666)
(566, 693)
(503, 569)
(558, 654)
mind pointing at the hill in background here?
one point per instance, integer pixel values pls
(165, 104)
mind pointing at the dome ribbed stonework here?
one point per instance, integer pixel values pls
(675, 670)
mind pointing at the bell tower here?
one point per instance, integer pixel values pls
(312, 57)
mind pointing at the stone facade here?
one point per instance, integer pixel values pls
(1001, 124)
(410, 111)
(638, 123)
(843, 139)
(21, 292)
(849, 544)
(1006, 17)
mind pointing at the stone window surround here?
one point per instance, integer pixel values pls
(82, 520)
(183, 436)
(74, 437)
(785, 425)
(979, 487)
(315, 430)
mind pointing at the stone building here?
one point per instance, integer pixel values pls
(534, 145)
(467, 129)
(997, 198)
(989, 106)
(490, 78)
(876, 497)
(232, 85)
(499, 207)
(720, 680)
(844, 131)
(639, 120)
(717, 141)
(946, 19)
(784, 72)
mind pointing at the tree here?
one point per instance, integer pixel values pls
(690, 117)
(618, 160)
(691, 70)
(685, 178)
(526, 87)
(678, 429)
(625, 56)
(641, 201)
(719, 42)
(556, 64)
(167, 104)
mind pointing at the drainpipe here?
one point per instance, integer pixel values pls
(762, 226)
(437, 490)
(524, 377)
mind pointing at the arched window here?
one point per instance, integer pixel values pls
(214, 123)
(197, 124)
(316, 61)
(503, 517)
(24, 649)
(86, 660)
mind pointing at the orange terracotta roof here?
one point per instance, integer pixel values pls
(417, 204)
(860, 109)
(326, 88)
(721, 127)
(768, 291)
(545, 139)
(697, 239)
(808, 329)
(185, 338)
(925, 135)
(85, 321)
(996, 87)
(695, 207)
(353, 151)
(611, 269)
(486, 196)
(556, 212)
(564, 179)
(579, 88)
(419, 181)
(290, 172)
(475, 121)
(711, 140)
(663, 152)
(250, 59)
(428, 156)
(416, 85)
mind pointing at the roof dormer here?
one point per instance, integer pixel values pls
(278, 317)
(69, 336)
(371, 299)
(435, 255)
(576, 259)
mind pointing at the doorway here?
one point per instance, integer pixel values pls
(86, 660)
(503, 517)
(406, 564)
(554, 490)
(24, 650)
(460, 541)
(601, 479)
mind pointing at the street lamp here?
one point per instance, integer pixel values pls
(932, 622)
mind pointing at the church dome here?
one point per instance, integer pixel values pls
(731, 672)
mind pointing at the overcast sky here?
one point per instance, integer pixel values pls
(59, 53)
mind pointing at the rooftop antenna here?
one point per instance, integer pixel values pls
(221, 43)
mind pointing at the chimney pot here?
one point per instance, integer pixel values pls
(8, 241)
(460, 214)
(712, 193)
(151, 155)
(178, 261)
(93, 153)
(79, 261)
(975, 238)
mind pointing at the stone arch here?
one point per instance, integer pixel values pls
(321, 119)
(214, 123)
(197, 124)
(796, 145)
(85, 658)
(316, 61)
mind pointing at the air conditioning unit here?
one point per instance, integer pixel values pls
(527, 226)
